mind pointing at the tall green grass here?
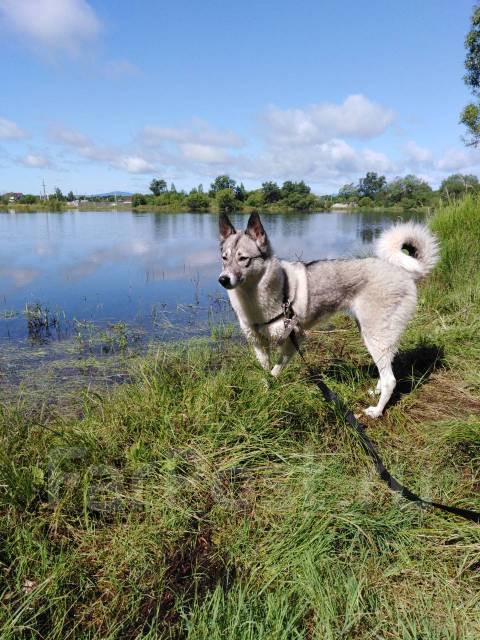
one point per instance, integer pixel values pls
(204, 501)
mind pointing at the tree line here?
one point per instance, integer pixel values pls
(371, 191)
(225, 194)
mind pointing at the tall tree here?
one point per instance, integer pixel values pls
(158, 186)
(299, 188)
(240, 192)
(271, 192)
(410, 191)
(348, 192)
(458, 185)
(470, 116)
(220, 183)
(371, 185)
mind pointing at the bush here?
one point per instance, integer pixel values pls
(365, 202)
(138, 199)
(255, 199)
(28, 198)
(197, 201)
(300, 202)
(226, 200)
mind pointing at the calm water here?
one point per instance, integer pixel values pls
(64, 273)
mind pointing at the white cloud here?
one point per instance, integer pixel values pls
(458, 159)
(204, 153)
(10, 130)
(36, 161)
(418, 155)
(332, 161)
(111, 156)
(51, 25)
(133, 164)
(357, 117)
(199, 132)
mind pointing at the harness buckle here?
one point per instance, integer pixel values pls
(287, 309)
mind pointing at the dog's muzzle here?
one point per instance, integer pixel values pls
(225, 281)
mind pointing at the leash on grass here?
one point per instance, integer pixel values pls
(369, 447)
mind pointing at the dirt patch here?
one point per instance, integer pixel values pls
(443, 397)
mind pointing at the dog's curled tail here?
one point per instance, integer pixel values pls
(409, 245)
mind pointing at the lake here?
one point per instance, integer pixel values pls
(134, 277)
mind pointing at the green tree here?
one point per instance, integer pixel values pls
(348, 192)
(138, 199)
(299, 188)
(197, 201)
(221, 183)
(58, 194)
(458, 185)
(226, 200)
(372, 185)
(70, 196)
(409, 191)
(158, 186)
(28, 198)
(240, 192)
(271, 192)
(256, 198)
(365, 202)
(470, 116)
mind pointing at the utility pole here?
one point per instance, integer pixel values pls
(44, 192)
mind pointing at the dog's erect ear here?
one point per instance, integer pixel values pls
(225, 226)
(256, 231)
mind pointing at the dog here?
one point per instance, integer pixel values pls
(273, 298)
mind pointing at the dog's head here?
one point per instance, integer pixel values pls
(244, 253)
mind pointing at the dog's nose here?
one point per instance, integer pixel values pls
(224, 281)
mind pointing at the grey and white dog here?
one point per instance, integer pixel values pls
(380, 292)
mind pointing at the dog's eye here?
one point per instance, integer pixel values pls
(242, 258)
(224, 256)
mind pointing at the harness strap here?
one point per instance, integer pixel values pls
(287, 312)
(369, 447)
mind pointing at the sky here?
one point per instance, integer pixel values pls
(103, 95)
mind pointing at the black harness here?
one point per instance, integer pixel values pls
(288, 314)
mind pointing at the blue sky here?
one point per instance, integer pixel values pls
(104, 95)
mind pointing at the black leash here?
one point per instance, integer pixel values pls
(369, 447)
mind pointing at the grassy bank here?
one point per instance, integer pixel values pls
(39, 206)
(203, 501)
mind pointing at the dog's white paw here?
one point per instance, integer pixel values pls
(372, 412)
(374, 392)
(276, 371)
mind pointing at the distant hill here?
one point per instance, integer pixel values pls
(111, 193)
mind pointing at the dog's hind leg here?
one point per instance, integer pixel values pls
(383, 359)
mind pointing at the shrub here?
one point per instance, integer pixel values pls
(138, 199)
(226, 200)
(365, 202)
(197, 201)
(255, 199)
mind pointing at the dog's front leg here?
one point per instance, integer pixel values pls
(287, 350)
(263, 355)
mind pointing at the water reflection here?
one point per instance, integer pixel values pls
(123, 266)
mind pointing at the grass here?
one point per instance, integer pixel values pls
(201, 500)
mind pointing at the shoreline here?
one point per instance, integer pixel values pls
(104, 207)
